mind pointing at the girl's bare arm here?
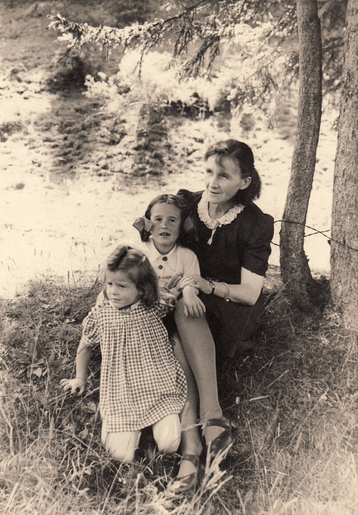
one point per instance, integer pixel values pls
(82, 359)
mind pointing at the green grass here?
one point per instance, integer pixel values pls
(292, 402)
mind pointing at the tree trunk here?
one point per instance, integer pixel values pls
(344, 260)
(294, 263)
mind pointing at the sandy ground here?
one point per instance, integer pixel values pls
(60, 220)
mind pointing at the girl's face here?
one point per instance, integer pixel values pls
(166, 226)
(223, 180)
(121, 291)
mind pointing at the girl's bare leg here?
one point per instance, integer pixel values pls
(167, 433)
(121, 446)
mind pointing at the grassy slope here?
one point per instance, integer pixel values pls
(292, 403)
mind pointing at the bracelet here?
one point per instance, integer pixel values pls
(212, 284)
(227, 292)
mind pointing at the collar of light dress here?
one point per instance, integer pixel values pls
(214, 223)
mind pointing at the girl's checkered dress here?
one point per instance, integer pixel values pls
(141, 380)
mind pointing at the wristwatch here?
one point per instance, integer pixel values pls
(212, 287)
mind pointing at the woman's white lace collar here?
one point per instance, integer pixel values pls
(214, 223)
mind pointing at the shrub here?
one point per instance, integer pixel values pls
(71, 67)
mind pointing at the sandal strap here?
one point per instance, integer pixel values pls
(220, 422)
(193, 458)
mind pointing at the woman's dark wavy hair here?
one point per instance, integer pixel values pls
(139, 270)
(172, 200)
(242, 154)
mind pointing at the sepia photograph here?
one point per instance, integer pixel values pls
(179, 257)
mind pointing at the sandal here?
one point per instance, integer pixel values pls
(223, 440)
(182, 485)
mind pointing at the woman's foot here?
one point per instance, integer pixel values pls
(187, 466)
(218, 435)
(187, 478)
(211, 433)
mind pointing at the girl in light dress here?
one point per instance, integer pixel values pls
(142, 383)
(163, 232)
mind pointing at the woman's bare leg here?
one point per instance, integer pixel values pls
(190, 440)
(199, 349)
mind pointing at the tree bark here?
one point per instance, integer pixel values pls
(294, 263)
(344, 260)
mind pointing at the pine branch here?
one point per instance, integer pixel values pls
(81, 33)
(205, 21)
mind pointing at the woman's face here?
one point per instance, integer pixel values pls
(223, 180)
(166, 221)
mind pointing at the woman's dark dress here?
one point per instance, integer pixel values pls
(245, 242)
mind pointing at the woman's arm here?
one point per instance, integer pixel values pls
(193, 306)
(245, 293)
(248, 291)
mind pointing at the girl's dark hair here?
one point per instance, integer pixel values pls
(242, 154)
(173, 200)
(139, 270)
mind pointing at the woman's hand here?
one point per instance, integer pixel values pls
(193, 306)
(196, 281)
(73, 385)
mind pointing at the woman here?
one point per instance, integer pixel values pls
(231, 237)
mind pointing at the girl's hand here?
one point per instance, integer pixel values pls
(73, 385)
(193, 306)
(101, 300)
(174, 280)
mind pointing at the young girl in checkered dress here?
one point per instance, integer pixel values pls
(142, 383)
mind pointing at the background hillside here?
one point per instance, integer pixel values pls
(77, 170)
